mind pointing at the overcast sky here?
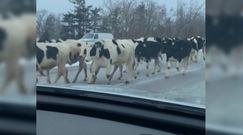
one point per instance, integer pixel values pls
(62, 6)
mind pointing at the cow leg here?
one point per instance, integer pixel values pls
(156, 63)
(108, 73)
(59, 74)
(40, 71)
(48, 76)
(65, 75)
(186, 63)
(76, 76)
(85, 73)
(120, 69)
(147, 67)
(130, 72)
(168, 68)
(159, 65)
(136, 66)
(136, 63)
(94, 72)
(113, 72)
(178, 66)
(195, 56)
(204, 53)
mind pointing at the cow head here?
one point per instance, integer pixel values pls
(93, 51)
(85, 52)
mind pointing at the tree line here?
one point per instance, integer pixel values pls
(124, 19)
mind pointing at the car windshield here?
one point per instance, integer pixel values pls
(88, 36)
(158, 50)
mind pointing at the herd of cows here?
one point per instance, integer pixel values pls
(116, 54)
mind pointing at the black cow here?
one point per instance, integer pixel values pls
(148, 50)
(178, 50)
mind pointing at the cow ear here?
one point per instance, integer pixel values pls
(79, 45)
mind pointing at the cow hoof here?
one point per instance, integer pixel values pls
(153, 73)
(73, 81)
(135, 77)
(166, 77)
(85, 80)
(183, 74)
(49, 82)
(119, 78)
(137, 73)
(127, 82)
(158, 71)
(178, 69)
(147, 75)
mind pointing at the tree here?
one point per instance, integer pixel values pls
(50, 28)
(40, 20)
(81, 20)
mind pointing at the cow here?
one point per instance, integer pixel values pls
(199, 45)
(177, 50)
(82, 64)
(109, 53)
(17, 41)
(50, 55)
(148, 50)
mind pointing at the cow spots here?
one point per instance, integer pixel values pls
(117, 47)
(93, 51)
(85, 51)
(3, 36)
(122, 45)
(114, 42)
(51, 52)
(105, 53)
(79, 45)
(39, 54)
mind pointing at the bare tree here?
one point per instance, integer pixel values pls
(40, 20)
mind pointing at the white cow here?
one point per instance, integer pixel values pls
(109, 53)
(50, 55)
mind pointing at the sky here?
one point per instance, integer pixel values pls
(63, 6)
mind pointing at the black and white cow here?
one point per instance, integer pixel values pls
(50, 55)
(148, 49)
(177, 50)
(109, 53)
(199, 45)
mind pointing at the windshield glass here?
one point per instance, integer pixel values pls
(158, 51)
(88, 36)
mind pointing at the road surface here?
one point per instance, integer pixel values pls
(189, 89)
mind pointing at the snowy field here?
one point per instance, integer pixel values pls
(188, 89)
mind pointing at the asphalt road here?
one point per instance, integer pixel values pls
(189, 89)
